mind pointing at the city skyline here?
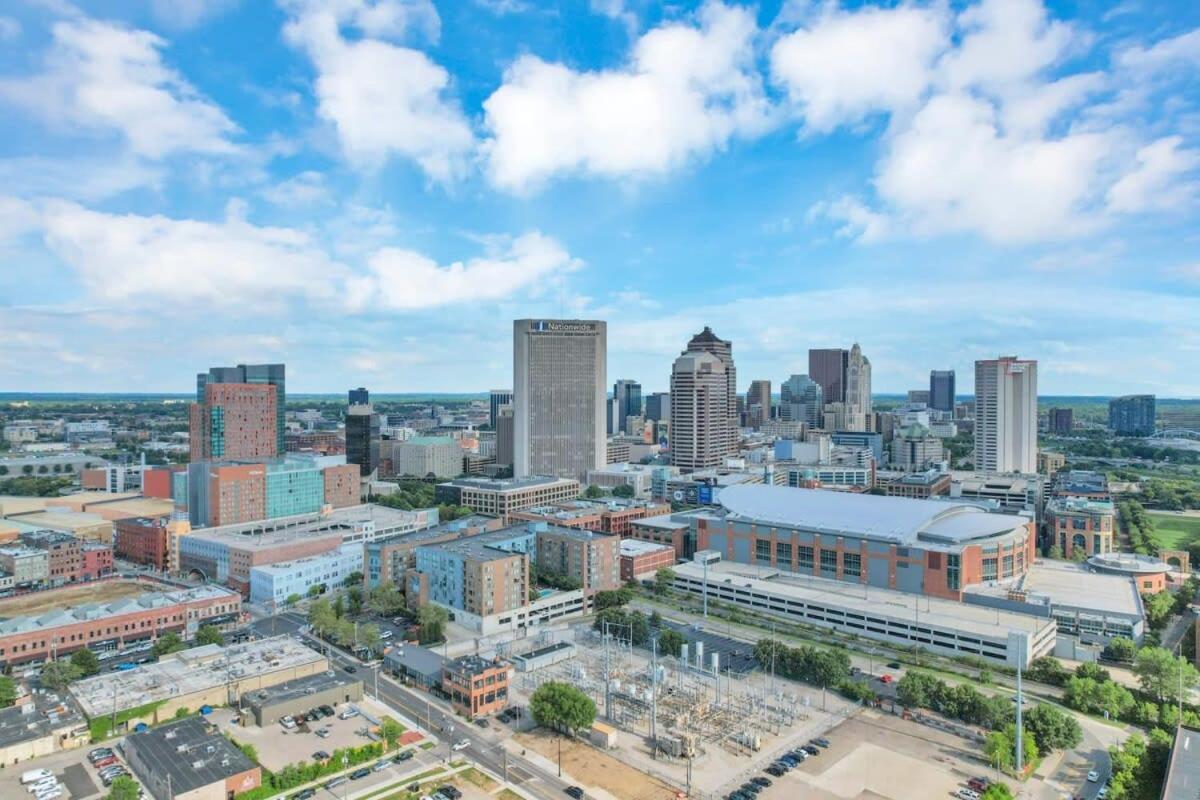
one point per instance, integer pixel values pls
(288, 206)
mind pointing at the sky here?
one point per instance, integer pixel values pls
(372, 190)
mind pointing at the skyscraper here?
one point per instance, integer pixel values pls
(707, 342)
(801, 399)
(629, 401)
(359, 397)
(1060, 421)
(504, 436)
(233, 421)
(700, 421)
(1132, 415)
(255, 374)
(560, 378)
(1006, 415)
(828, 368)
(941, 389)
(362, 433)
(859, 413)
(497, 398)
(658, 407)
(759, 396)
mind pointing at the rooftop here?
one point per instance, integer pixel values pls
(272, 532)
(187, 754)
(636, 547)
(491, 545)
(1183, 771)
(1063, 583)
(190, 671)
(42, 716)
(91, 612)
(62, 519)
(507, 484)
(1080, 505)
(416, 659)
(665, 522)
(1079, 481)
(579, 534)
(430, 441)
(1129, 562)
(894, 519)
(461, 524)
(472, 665)
(284, 568)
(300, 687)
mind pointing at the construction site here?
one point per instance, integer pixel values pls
(695, 721)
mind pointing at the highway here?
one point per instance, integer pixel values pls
(431, 713)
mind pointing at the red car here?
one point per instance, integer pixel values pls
(885, 678)
(978, 784)
(105, 762)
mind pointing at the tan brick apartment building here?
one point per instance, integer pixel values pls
(593, 559)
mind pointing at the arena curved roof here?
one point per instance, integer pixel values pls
(899, 520)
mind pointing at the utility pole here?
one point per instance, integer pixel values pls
(1020, 702)
(654, 696)
(706, 588)
(607, 677)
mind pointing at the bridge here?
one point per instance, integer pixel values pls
(1176, 433)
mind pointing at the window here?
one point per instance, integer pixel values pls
(804, 556)
(762, 551)
(852, 565)
(989, 569)
(829, 562)
(1007, 566)
(953, 572)
(783, 554)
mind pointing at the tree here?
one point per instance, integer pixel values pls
(181, 712)
(1049, 670)
(432, 620)
(592, 492)
(315, 589)
(339, 606)
(1120, 649)
(670, 642)
(624, 490)
(27, 469)
(1161, 674)
(321, 617)
(249, 751)
(1158, 609)
(1001, 748)
(291, 600)
(3, 470)
(208, 634)
(390, 731)
(385, 599)
(59, 674)
(1052, 729)
(354, 578)
(355, 596)
(85, 662)
(562, 707)
(368, 637)
(1090, 669)
(664, 579)
(123, 788)
(917, 689)
(168, 643)
(997, 791)
(1092, 697)
(612, 599)
(8, 691)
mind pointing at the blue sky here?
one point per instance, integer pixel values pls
(371, 190)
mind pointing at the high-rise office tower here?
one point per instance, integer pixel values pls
(708, 342)
(234, 421)
(941, 389)
(1132, 415)
(504, 436)
(1060, 421)
(612, 416)
(362, 433)
(658, 407)
(859, 412)
(496, 399)
(701, 427)
(758, 403)
(828, 368)
(359, 397)
(628, 395)
(560, 380)
(254, 374)
(801, 399)
(1006, 415)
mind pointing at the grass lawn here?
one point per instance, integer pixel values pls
(1174, 532)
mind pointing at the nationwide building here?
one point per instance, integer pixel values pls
(559, 397)
(704, 398)
(272, 375)
(1006, 415)
(273, 584)
(503, 496)
(929, 547)
(190, 760)
(103, 627)
(1132, 415)
(941, 390)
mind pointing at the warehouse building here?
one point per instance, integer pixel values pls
(190, 760)
(640, 558)
(941, 626)
(415, 664)
(294, 698)
(543, 657)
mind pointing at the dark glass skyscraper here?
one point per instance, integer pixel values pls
(658, 406)
(828, 368)
(360, 397)
(941, 389)
(498, 398)
(628, 395)
(362, 438)
(1132, 415)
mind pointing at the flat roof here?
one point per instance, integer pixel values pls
(284, 568)
(416, 659)
(138, 507)
(190, 753)
(664, 521)
(304, 526)
(300, 687)
(42, 716)
(893, 519)
(190, 671)
(94, 612)
(1183, 770)
(1070, 584)
(487, 546)
(867, 600)
(542, 651)
(579, 534)
(1130, 562)
(638, 547)
(62, 519)
(506, 484)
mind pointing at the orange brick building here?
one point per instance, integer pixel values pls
(476, 687)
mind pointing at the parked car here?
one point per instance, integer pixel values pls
(894, 665)
(288, 722)
(381, 764)
(35, 775)
(323, 733)
(749, 788)
(304, 794)
(338, 781)
(812, 751)
(761, 781)
(320, 755)
(978, 784)
(348, 713)
(326, 711)
(821, 741)
(575, 792)
(450, 792)
(403, 755)
(99, 753)
(483, 723)
(967, 794)
(1103, 793)
(361, 772)
(886, 678)
(350, 668)
(107, 761)
(776, 770)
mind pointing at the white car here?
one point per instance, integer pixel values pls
(1103, 793)
(42, 787)
(1093, 776)
(968, 794)
(36, 775)
(462, 744)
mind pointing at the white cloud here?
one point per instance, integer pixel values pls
(1004, 42)
(1154, 184)
(616, 10)
(10, 29)
(383, 99)
(106, 78)
(184, 14)
(305, 189)
(504, 7)
(858, 221)
(17, 218)
(845, 65)
(405, 280)
(78, 178)
(1179, 50)
(686, 92)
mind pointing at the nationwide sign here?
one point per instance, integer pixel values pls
(552, 326)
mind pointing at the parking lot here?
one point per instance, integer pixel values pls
(735, 655)
(79, 779)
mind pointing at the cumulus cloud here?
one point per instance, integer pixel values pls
(305, 189)
(403, 279)
(1154, 183)
(1181, 50)
(688, 89)
(102, 77)
(184, 14)
(383, 99)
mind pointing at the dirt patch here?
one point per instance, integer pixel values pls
(99, 592)
(592, 767)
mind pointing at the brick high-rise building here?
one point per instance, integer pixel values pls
(235, 421)
(256, 375)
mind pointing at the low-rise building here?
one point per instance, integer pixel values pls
(1049, 463)
(501, 497)
(190, 760)
(542, 657)
(422, 456)
(1011, 493)
(273, 584)
(639, 558)
(82, 525)
(142, 540)
(293, 698)
(670, 530)
(1182, 781)
(63, 560)
(476, 687)
(387, 560)
(1081, 523)
(915, 485)
(95, 561)
(416, 665)
(636, 476)
(28, 567)
(610, 515)
(39, 724)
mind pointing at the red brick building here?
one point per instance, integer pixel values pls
(236, 494)
(62, 551)
(342, 485)
(157, 482)
(640, 558)
(236, 421)
(96, 561)
(142, 540)
(476, 687)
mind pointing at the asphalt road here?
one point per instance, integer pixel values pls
(430, 712)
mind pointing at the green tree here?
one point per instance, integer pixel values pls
(322, 617)
(917, 689)
(355, 597)
(354, 578)
(123, 788)
(390, 731)
(385, 599)
(3, 470)
(1158, 609)
(593, 492)
(1001, 748)
(181, 712)
(624, 490)
(292, 599)
(315, 589)
(249, 751)
(997, 791)
(1090, 669)
(368, 637)
(27, 469)
(85, 662)
(1092, 697)
(1162, 674)
(432, 620)
(59, 674)
(168, 643)
(664, 579)
(670, 642)
(612, 599)
(339, 606)
(1052, 729)
(1049, 670)
(8, 691)
(209, 634)
(1120, 649)
(561, 707)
